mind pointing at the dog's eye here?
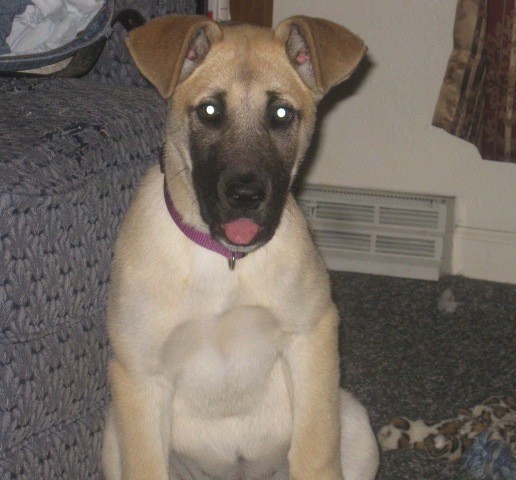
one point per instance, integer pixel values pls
(281, 115)
(209, 112)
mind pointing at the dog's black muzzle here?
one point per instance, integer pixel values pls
(243, 192)
(241, 186)
(242, 208)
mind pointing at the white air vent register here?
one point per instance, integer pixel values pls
(386, 233)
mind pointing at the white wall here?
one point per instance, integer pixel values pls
(381, 136)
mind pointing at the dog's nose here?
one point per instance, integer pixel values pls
(245, 192)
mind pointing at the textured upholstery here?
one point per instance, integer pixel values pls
(71, 153)
(114, 65)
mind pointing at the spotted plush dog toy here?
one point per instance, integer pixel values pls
(448, 439)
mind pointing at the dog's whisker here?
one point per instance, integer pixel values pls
(176, 174)
(174, 128)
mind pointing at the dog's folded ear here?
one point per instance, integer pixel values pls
(323, 53)
(168, 49)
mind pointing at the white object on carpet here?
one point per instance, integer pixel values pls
(447, 303)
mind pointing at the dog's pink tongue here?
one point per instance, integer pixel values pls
(241, 231)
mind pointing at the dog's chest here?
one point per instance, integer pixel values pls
(229, 381)
(219, 361)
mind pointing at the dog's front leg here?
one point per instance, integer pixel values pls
(313, 362)
(141, 425)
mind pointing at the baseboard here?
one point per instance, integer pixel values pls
(484, 254)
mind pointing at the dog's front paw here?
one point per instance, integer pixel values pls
(319, 477)
(326, 475)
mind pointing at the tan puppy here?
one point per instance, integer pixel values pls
(229, 369)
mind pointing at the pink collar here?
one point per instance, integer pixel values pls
(200, 238)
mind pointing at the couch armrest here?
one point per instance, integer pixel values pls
(72, 155)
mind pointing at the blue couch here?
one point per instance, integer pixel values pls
(71, 154)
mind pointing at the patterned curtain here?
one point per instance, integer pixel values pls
(477, 99)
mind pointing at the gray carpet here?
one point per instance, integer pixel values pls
(404, 355)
